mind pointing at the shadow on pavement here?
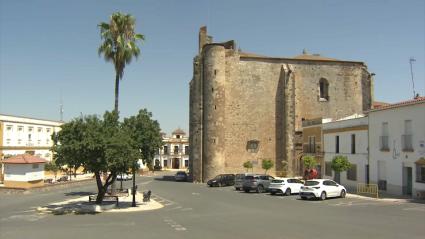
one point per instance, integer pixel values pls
(169, 178)
(79, 193)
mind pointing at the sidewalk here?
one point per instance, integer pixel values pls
(82, 205)
(386, 198)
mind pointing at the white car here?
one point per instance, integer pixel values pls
(322, 189)
(124, 177)
(286, 186)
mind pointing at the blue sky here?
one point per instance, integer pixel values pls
(48, 49)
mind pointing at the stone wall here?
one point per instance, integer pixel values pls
(237, 98)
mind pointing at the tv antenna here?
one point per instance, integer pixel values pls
(411, 60)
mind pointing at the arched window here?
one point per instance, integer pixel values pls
(324, 90)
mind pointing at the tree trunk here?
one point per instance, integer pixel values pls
(117, 92)
(100, 189)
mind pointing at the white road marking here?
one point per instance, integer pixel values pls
(173, 224)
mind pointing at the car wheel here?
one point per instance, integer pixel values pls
(272, 193)
(246, 190)
(260, 189)
(323, 195)
(288, 192)
(342, 194)
(237, 189)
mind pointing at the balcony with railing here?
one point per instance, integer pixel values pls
(384, 143)
(312, 149)
(407, 142)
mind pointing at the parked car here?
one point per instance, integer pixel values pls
(63, 178)
(286, 186)
(124, 177)
(222, 180)
(239, 180)
(258, 182)
(322, 189)
(181, 176)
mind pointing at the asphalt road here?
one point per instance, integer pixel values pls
(196, 211)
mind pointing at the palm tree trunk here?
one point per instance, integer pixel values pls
(117, 90)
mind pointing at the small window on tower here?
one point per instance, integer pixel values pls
(252, 146)
(323, 90)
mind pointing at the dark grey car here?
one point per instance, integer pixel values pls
(258, 182)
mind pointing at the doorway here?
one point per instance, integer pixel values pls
(407, 181)
(176, 163)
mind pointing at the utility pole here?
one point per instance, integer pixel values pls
(411, 60)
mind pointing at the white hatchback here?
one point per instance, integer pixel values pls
(322, 189)
(286, 186)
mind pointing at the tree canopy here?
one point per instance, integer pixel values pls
(267, 164)
(101, 146)
(309, 162)
(340, 164)
(119, 44)
(146, 134)
(248, 165)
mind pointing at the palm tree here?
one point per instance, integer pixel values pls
(119, 45)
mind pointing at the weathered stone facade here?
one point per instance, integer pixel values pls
(237, 98)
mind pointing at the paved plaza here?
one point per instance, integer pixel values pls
(196, 211)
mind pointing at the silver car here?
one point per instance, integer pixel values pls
(258, 182)
(239, 180)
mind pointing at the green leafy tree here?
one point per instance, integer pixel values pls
(52, 167)
(101, 146)
(309, 162)
(119, 44)
(340, 164)
(267, 164)
(248, 165)
(146, 133)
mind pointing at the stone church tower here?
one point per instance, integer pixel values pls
(248, 107)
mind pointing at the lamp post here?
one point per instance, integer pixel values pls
(133, 204)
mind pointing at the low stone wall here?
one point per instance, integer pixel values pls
(45, 187)
(23, 185)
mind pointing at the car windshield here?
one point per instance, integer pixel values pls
(250, 177)
(311, 183)
(278, 181)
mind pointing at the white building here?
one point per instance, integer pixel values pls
(174, 154)
(23, 171)
(397, 147)
(347, 137)
(20, 135)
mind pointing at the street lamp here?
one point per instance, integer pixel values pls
(133, 204)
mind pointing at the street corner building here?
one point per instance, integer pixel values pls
(24, 171)
(248, 107)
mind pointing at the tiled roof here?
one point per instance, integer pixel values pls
(417, 100)
(314, 58)
(24, 159)
(379, 104)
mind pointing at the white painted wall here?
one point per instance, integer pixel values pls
(360, 158)
(29, 133)
(23, 172)
(395, 159)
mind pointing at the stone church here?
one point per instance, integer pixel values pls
(249, 107)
